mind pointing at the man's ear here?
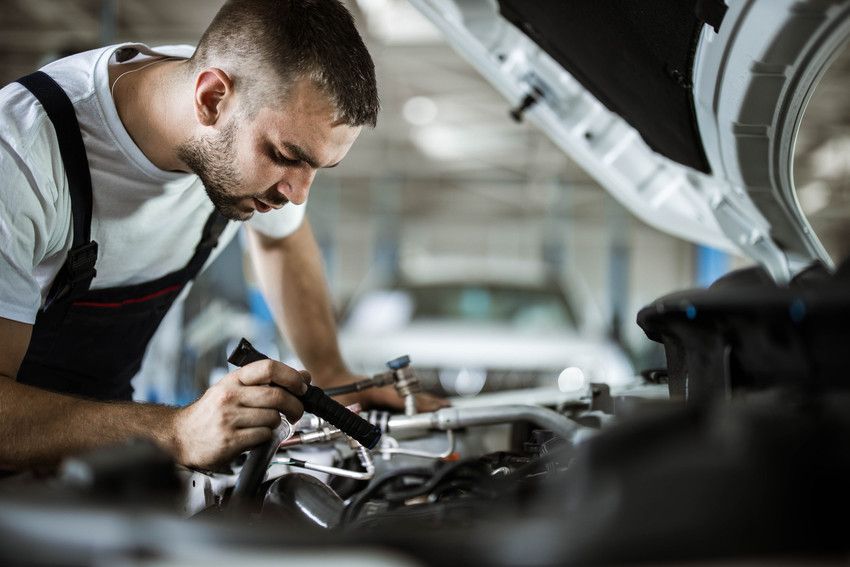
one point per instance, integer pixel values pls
(213, 89)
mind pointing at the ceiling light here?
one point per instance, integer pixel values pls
(419, 110)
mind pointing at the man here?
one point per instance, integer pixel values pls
(121, 168)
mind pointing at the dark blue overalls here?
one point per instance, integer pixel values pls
(90, 343)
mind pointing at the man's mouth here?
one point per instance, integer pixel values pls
(261, 207)
(264, 207)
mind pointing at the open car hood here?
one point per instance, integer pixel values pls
(686, 111)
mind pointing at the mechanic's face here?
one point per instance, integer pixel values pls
(270, 161)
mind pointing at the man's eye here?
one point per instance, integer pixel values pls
(285, 160)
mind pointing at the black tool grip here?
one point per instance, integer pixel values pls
(318, 403)
(245, 353)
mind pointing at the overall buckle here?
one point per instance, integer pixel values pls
(76, 274)
(80, 264)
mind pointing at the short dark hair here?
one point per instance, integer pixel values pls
(295, 39)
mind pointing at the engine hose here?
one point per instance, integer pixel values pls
(439, 476)
(353, 508)
(434, 478)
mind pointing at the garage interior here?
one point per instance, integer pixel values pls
(450, 187)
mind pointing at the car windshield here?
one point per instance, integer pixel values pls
(385, 310)
(492, 304)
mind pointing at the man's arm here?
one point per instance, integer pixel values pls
(38, 427)
(292, 278)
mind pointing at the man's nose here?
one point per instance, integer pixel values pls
(295, 185)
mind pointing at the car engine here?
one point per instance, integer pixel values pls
(709, 459)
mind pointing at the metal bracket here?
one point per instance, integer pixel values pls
(752, 237)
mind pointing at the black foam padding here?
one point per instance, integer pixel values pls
(316, 402)
(636, 57)
(245, 353)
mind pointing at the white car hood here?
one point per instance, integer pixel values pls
(465, 345)
(750, 81)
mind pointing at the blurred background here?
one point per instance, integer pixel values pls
(451, 232)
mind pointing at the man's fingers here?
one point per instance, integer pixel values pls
(270, 371)
(295, 381)
(271, 397)
(294, 411)
(251, 436)
(253, 417)
(428, 403)
(262, 397)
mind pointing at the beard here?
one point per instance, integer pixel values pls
(212, 160)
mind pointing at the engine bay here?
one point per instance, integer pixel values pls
(594, 475)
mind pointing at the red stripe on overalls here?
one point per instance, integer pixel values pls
(148, 297)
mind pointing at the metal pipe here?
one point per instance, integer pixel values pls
(365, 475)
(365, 458)
(322, 436)
(376, 381)
(254, 470)
(423, 454)
(406, 383)
(455, 418)
(410, 404)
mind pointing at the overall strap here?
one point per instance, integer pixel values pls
(213, 228)
(78, 271)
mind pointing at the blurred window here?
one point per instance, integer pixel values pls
(492, 304)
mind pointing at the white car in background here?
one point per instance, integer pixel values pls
(472, 335)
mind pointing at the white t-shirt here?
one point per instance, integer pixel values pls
(146, 221)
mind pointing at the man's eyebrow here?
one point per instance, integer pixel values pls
(301, 154)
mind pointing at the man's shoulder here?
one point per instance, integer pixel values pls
(28, 143)
(76, 73)
(21, 117)
(29, 148)
(23, 121)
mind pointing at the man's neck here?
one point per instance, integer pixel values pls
(154, 103)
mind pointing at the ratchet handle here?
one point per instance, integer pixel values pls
(245, 353)
(318, 403)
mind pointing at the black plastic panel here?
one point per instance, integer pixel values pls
(635, 56)
(747, 334)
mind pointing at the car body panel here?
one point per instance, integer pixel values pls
(499, 335)
(748, 95)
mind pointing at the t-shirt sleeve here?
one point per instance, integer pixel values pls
(27, 209)
(279, 223)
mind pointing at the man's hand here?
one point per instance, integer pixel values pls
(386, 397)
(239, 412)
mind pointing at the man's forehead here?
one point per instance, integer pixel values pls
(304, 99)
